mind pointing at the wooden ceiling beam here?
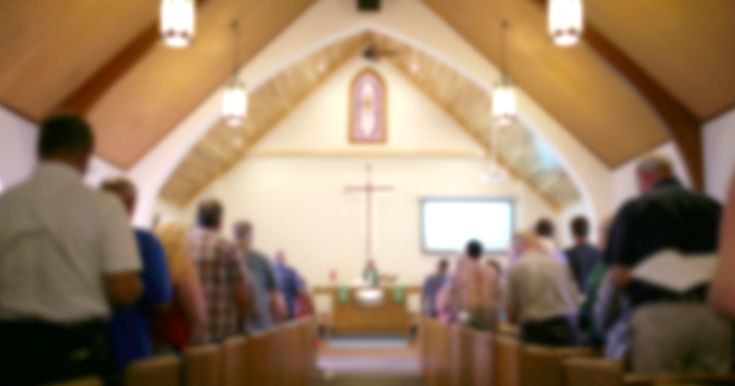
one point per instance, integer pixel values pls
(683, 125)
(85, 96)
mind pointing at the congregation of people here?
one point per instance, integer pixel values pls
(605, 294)
(82, 293)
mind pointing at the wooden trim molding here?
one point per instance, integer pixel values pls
(384, 95)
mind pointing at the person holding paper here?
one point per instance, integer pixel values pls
(673, 328)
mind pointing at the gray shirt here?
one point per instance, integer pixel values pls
(264, 282)
(541, 287)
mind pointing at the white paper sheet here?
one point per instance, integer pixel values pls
(675, 271)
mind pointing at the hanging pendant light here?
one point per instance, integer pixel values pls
(503, 96)
(566, 21)
(504, 104)
(235, 97)
(177, 21)
(235, 103)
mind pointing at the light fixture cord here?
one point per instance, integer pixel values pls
(235, 59)
(503, 53)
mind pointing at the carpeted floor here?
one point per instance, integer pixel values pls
(372, 380)
(377, 362)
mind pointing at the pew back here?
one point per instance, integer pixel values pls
(544, 366)
(603, 372)
(87, 381)
(507, 361)
(156, 371)
(202, 366)
(483, 358)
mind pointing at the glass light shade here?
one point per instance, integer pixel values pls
(177, 22)
(566, 21)
(504, 104)
(235, 104)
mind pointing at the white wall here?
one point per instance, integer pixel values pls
(18, 152)
(297, 202)
(719, 154)
(17, 147)
(411, 21)
(624, 177)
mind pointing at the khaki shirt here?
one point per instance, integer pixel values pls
(541, 287)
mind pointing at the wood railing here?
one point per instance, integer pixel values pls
(454, 356)
(283, 356)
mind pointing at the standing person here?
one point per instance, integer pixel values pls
(672, 331)
(184, 321)
(722, 293)
(474, 290)
(546, 235)
(222, 275)
(265, 287)
(129, 326)
(542, 295)
(370, 274)
(65, 251)
(289, 282)
(583, 257)
(431, 287)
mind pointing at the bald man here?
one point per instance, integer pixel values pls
(672, 331)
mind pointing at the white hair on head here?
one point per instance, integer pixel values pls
(655, 164)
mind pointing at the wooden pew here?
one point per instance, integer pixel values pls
(435, 347)
(544, 366)
(507, 354)
(234, 362)
(258, 360)
(157, 371)
(202, 366)
(602, 372)
(87, 381)
(483, 354)
(461, 356)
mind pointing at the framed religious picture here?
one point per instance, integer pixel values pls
(368, 108)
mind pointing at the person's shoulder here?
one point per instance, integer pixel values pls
(146, 237)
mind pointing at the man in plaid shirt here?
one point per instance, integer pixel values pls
(224, 279)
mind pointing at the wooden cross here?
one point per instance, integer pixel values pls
(369, 189)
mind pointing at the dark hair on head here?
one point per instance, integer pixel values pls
(474, 249)
(119, 186)
(210, 213)
(545, 228)
(580, 226)
(443, 263)
(64, 134)
(242, 229)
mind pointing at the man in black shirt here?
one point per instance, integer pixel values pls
(583, 257)
(672, 331)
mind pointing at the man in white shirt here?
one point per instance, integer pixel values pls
(542, 295)
(66, 253)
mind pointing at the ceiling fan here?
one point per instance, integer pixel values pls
(374, 53)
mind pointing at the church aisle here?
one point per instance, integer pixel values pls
(373, 380)
(368, 362)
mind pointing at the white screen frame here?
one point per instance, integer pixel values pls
(480, 199)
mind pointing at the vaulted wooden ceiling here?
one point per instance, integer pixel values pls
(222, 147)
(647, 71)
(104, 59)
(518, 150)
(463, 100)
